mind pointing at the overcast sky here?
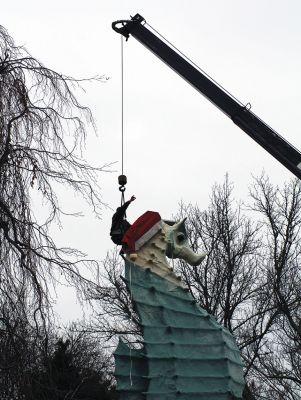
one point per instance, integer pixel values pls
(177, 144)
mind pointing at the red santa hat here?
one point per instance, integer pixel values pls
(142, 230)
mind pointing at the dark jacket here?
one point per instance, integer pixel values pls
(119, 224)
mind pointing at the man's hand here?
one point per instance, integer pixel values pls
(133, 198)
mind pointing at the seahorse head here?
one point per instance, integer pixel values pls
(177, 245)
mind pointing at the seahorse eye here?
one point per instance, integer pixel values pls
(181, 237)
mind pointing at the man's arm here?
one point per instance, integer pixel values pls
(121, 210)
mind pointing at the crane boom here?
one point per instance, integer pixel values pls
(241, 115)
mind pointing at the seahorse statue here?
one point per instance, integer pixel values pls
(186, 354)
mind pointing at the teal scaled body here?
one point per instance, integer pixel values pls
(186, 355)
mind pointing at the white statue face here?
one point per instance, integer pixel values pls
(177, 245)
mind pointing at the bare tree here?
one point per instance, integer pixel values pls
(19, 350)
(75, 368)
(65, 364)
(280, 210)
(228, 278)
(115, 314)
(42, 130)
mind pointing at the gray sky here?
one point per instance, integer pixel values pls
(177, 144)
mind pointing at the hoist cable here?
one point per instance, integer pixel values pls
(122, 106)
(122, 180)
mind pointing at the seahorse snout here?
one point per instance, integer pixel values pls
(190, 257)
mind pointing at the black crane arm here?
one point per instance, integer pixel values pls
(241, 115)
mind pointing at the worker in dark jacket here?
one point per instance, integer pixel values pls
(119, 224)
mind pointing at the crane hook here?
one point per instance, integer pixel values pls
(122, 181)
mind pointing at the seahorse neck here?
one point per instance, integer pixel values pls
(152, 255)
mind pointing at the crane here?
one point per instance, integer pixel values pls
(240, 114)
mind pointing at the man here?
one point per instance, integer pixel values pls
(119, 224)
